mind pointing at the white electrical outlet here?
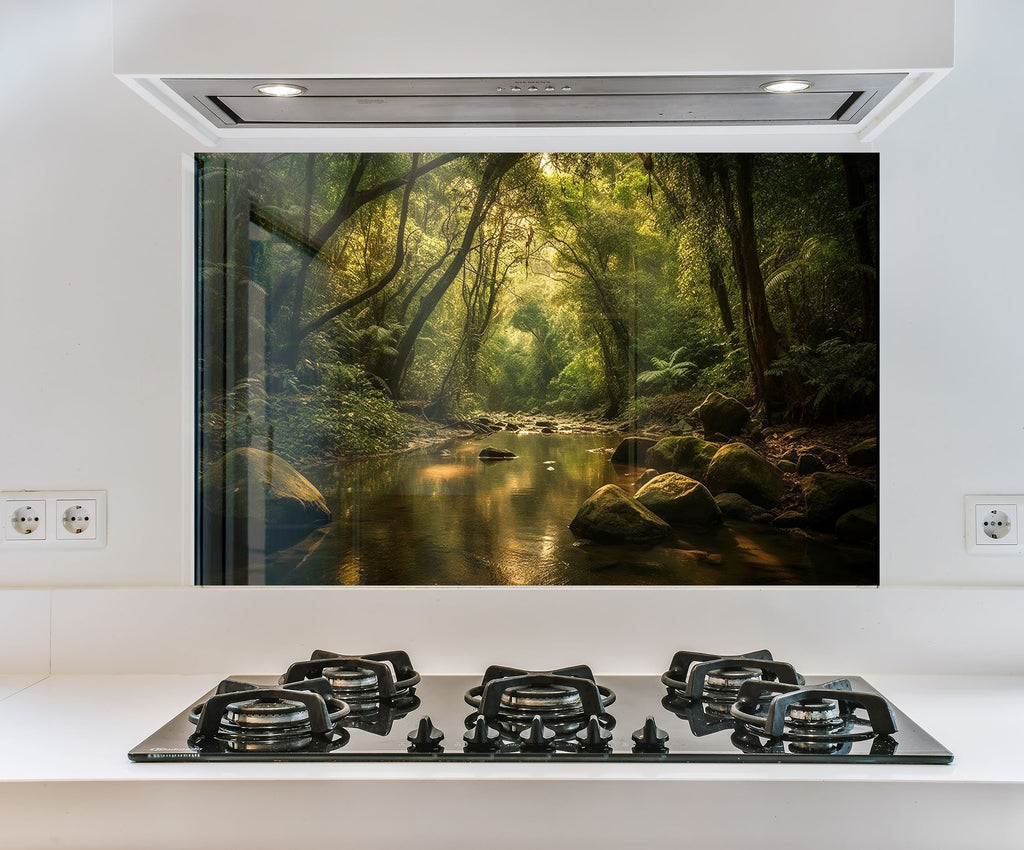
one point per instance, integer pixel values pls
(76, 519)
(991, 525)
(54, 519)
(24, 519)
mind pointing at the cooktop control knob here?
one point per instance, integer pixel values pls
(594, 738)
(481, 738)
(427, 737)
(538, 738)
(650, 739)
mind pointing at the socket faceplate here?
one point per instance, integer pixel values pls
(51, 518)
(24, 520)
(991, 525)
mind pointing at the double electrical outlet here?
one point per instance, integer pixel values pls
(54, 519)
(991, 525)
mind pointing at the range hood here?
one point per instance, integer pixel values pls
(546, 101)
(669, 66)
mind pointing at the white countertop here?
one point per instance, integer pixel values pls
(102, 717)
(64, 741)
(12, 684)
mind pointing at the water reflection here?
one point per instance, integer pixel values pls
(441, 516)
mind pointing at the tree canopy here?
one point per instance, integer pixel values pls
(338, 290)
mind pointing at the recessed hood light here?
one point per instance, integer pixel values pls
(786, 86)
(280, 89)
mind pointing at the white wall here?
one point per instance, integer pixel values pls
(91, 295)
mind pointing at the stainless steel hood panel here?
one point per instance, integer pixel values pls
(556, 102)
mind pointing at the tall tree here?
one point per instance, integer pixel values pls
(864, 219)
(495, 168)
(763, 344)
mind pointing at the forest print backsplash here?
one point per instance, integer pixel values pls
(539, 368)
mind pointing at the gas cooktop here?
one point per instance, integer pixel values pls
(704, 708)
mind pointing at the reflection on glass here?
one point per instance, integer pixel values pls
(368, 323)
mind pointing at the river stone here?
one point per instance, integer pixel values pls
(688, 456)
(786, 466)
(829, 495)
(680, 427)
(737, 468)
(612, 514)
(491, 453)
(859, 525)
(808, 463)
(734, 506)
(721, 414)
(282, 499)
(864, 454)
(632, 450)
(823, 454)
(680, 500)
(790, 519)
(644, 477)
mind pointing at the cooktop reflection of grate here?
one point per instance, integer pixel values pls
(705, 708)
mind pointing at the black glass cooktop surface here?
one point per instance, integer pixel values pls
(625, 718)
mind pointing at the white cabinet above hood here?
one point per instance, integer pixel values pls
(681, 66)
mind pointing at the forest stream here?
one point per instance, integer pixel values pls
(442, 516)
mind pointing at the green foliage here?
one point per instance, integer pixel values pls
(579, 386)
(729, 374)
(838, 377)
(810, 292)
(342, 415)
(587, 268)
(672, 375)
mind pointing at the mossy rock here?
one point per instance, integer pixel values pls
(491, 453)
(686, 455)
(734, 506)
(859, 525)
(806, 464)
(632, 450)
(829, 495)
(612, 514)
(737, 468)
(680, 500)
(721, 414)
(864, 454)
(253, 486)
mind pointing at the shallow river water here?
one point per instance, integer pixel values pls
(441, 516)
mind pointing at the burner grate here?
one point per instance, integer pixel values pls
(245, 717)
(702, 676)
(826, 713)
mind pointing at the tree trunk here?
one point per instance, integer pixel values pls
(716, 280)
(764, 336)
(863, 224)
(496, 168)
(739, 268)
(353, 200)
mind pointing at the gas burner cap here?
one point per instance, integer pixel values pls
(551, 700)
(563, 698)
(266, 714)
(728, 679)
(345, 681)
(821, 715)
